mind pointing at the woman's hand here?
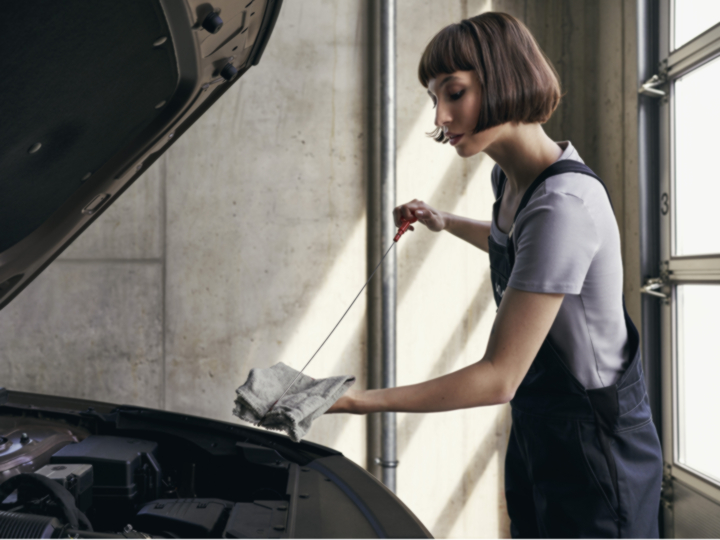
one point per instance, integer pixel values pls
(424, 213)
(346, 403)
(472, 231)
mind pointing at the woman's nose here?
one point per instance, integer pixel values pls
(441, 116)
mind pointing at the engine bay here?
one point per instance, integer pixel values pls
(139, 473)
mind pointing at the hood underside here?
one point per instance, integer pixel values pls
(92, 93)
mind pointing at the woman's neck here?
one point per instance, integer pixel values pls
(523, 151)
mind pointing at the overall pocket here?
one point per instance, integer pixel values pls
(596, 464)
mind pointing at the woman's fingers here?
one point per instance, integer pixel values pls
(396, 216)
(407, 212)
(403, 212)
(417, 210)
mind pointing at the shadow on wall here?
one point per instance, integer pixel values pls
(417, 248)
(493, 446)
(261, 224)
(447, 195)
(474, 313)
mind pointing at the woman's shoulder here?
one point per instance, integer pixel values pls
(586, 188)
(573, 202)
(580, 185)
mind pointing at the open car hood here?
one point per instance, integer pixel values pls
(91, 94)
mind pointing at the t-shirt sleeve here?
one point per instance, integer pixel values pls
(555, 242)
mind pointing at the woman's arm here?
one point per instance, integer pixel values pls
(521, 325)
(472, 231)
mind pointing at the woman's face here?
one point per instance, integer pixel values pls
(456, 97)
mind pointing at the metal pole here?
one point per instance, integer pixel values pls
(382, 455)
(389, 283)
(649, 192)
(648, 40)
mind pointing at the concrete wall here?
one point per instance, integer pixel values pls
(243, 245)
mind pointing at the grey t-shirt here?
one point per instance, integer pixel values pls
(567, 241)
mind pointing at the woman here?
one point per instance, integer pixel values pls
(584, 457)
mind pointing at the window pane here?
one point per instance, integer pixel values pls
(697, 175)
(693, 17)
(698, 377)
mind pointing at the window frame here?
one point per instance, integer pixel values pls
(675, 270)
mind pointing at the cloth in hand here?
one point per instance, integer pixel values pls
(306, 400)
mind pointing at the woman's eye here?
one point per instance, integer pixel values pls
(457, 95)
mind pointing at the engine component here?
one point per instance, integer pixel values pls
(28, 443)
(186, 518)
(14, 525)
(124, 470)
(127, 532)
(38, 495)
(77, 479)
(261, 519)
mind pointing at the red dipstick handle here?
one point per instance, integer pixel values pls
(404, 227)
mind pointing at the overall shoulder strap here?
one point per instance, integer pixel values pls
(501, 180)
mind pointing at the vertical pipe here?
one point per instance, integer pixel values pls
(381, 201)
(389, 283)
(649, 192)
(648, 39)
(374, 236)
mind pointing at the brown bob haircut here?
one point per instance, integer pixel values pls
(517, 81)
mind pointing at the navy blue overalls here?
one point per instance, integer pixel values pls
(580, 463)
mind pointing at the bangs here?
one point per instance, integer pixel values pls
(449, 51)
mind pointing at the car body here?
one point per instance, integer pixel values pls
(282, 489)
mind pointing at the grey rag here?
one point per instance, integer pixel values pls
(294, 413)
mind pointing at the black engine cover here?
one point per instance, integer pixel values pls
(124, 469)
(188, 518)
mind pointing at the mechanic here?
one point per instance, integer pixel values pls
(584, 458)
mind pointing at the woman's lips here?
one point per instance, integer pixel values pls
(454, 138)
